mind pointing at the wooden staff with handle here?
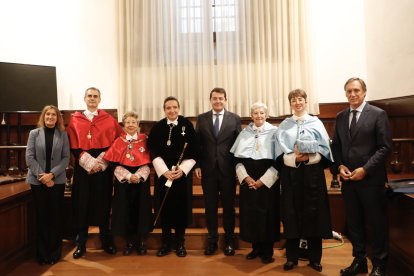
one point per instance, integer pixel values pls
(169, 186)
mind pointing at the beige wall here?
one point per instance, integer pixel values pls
(77, 36)
(338, 43)
(390, 48)
(371, 39)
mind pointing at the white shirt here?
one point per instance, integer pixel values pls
(129, 137)
(90, 115)
(175, 122)
(359, 110)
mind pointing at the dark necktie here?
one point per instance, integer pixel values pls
(353, 122)
(217, 124)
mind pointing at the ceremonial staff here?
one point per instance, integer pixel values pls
(169, 183)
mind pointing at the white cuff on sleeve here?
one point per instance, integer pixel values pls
(87, 162)
(269, 177)
(143, 172)
(159, 166)
(121, 174)
(314, 158)
(290, 160)
(241, 172)
(102, 162)
(186, 165)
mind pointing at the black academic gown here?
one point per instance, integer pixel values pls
(259, 209)
(305, 202)
(177, 209)
(131, 207)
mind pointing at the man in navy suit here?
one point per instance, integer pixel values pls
(217, 130)
(361, 145)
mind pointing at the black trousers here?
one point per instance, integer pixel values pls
(105, 235)
(314, 249)
(264, 248)
(167, 235)
(366, 206)
(49, 205)
(215, 187)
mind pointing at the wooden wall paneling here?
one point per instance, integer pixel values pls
(17, 231)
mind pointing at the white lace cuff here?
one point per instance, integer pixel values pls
(122, 174)
(102, 162)
(87, 162)
(143, 172)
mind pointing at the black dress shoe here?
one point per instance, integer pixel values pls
(229, 250)
(79, 252)
(357, 266)
(267, 259)
(210, 249)
(253, 254)
(109, 248)
(53, 261)
(377, 271)
(42, 261)
(129, 248)
(142, 249)
(164, 250)
(180, 251)
(289, 265)
(316, 266)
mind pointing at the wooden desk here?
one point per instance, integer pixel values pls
(401, 227)
(16, 225)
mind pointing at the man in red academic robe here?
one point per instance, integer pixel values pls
(91, 132)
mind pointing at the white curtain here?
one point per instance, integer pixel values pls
(259, 53)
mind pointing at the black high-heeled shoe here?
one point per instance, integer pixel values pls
(142, 248)
(164, 250)
(129, 248)
(316, 266)
(79, 252)
(289, 265)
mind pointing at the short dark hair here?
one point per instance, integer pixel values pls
(171, 98)
(361, 81)
(219, 90)
(297, 93)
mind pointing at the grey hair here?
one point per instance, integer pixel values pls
(257, 105)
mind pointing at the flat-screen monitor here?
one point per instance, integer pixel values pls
(26, 87)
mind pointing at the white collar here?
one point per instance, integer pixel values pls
(301, 118)
(133, 137)
(257, 129)
(89, 114)
(214, 112)
(175, 122)
(359, 108)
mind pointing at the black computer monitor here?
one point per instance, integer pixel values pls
(27, 87)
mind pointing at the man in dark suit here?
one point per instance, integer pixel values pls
(361, 145)
(217, 130)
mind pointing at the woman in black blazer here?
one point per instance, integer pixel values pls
(47, 156)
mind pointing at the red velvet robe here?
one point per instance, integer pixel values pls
(91, 193)
(118, 151)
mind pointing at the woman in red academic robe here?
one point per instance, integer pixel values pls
(131, 205)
